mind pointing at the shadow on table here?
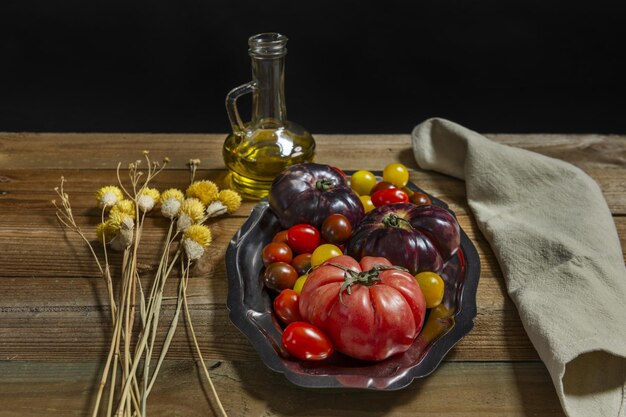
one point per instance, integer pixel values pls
(273, 394)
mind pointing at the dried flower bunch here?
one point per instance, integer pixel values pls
(130, 371)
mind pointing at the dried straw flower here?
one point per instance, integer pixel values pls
(228, 202)
(231, 199)
(118, 220)
(172, 193)
(104, 232)
(147, 199)
(124, 238)
(109, 195)
(171, 202)
(124, 206)
(205, 191)
(200, 234)
(193, 208)
(197, 237)
(192, 211)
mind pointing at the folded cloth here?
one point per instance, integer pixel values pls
(555, 240)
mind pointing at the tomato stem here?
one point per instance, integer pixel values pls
(325, 184)
(392, 220)
(367, 278)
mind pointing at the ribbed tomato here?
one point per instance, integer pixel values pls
(370, 310)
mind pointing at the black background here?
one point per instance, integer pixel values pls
(352, 67)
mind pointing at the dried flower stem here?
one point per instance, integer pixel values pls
(195, 340)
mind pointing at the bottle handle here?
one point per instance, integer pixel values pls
(231, 105)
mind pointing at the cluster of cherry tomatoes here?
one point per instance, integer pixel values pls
(295, 251)
(392, 189)
(288, 259)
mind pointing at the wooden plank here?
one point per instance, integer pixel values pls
(76, 150)
(32, 190)
(248, 389)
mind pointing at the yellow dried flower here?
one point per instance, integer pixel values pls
(193, 208)
(200, 234)
(172, 193)
(231, 199)
(125, 206)
(105, 232)
(109, 195)
(117, 218)
(205, 191)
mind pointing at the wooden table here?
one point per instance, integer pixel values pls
(53, 311)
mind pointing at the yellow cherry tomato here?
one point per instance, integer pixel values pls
(362, 182)
(323, 253)
(441, 312)
(432, 287)
(366, 200)
(297, 287)
(397, 174)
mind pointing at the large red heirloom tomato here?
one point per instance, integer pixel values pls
(370, 310)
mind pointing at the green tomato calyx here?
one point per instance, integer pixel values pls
(367, 278)
(392, 220)
(325, 184)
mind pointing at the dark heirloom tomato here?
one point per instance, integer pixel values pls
(276, 252)
(420, 199)
(309, 193)
(279, 276)
(336, 228)
(369, 311)
(302, 263)
(419, 238)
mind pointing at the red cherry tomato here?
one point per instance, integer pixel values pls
(302, 263)
(280, 276)
(389, 196)
(420, 199)
(383, 185)
(276, 252)
(336, 228)
(280, 237)
(306, 342)
(303, 238)
(286, 306)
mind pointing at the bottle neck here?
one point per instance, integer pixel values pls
(268, 98)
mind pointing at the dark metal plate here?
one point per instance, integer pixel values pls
(250, 306)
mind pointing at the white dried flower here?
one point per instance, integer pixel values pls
(145, 203)
(107, 196)
(184, 221)
(124, 238)
(216, 208)
(193, 249)
(170, 208)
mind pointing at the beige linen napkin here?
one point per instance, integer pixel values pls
(554, 237)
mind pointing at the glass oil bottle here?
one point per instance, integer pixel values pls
(257, 151)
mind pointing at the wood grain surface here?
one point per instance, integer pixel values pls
(53, 311)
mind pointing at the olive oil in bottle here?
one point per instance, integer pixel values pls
(256, 152)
